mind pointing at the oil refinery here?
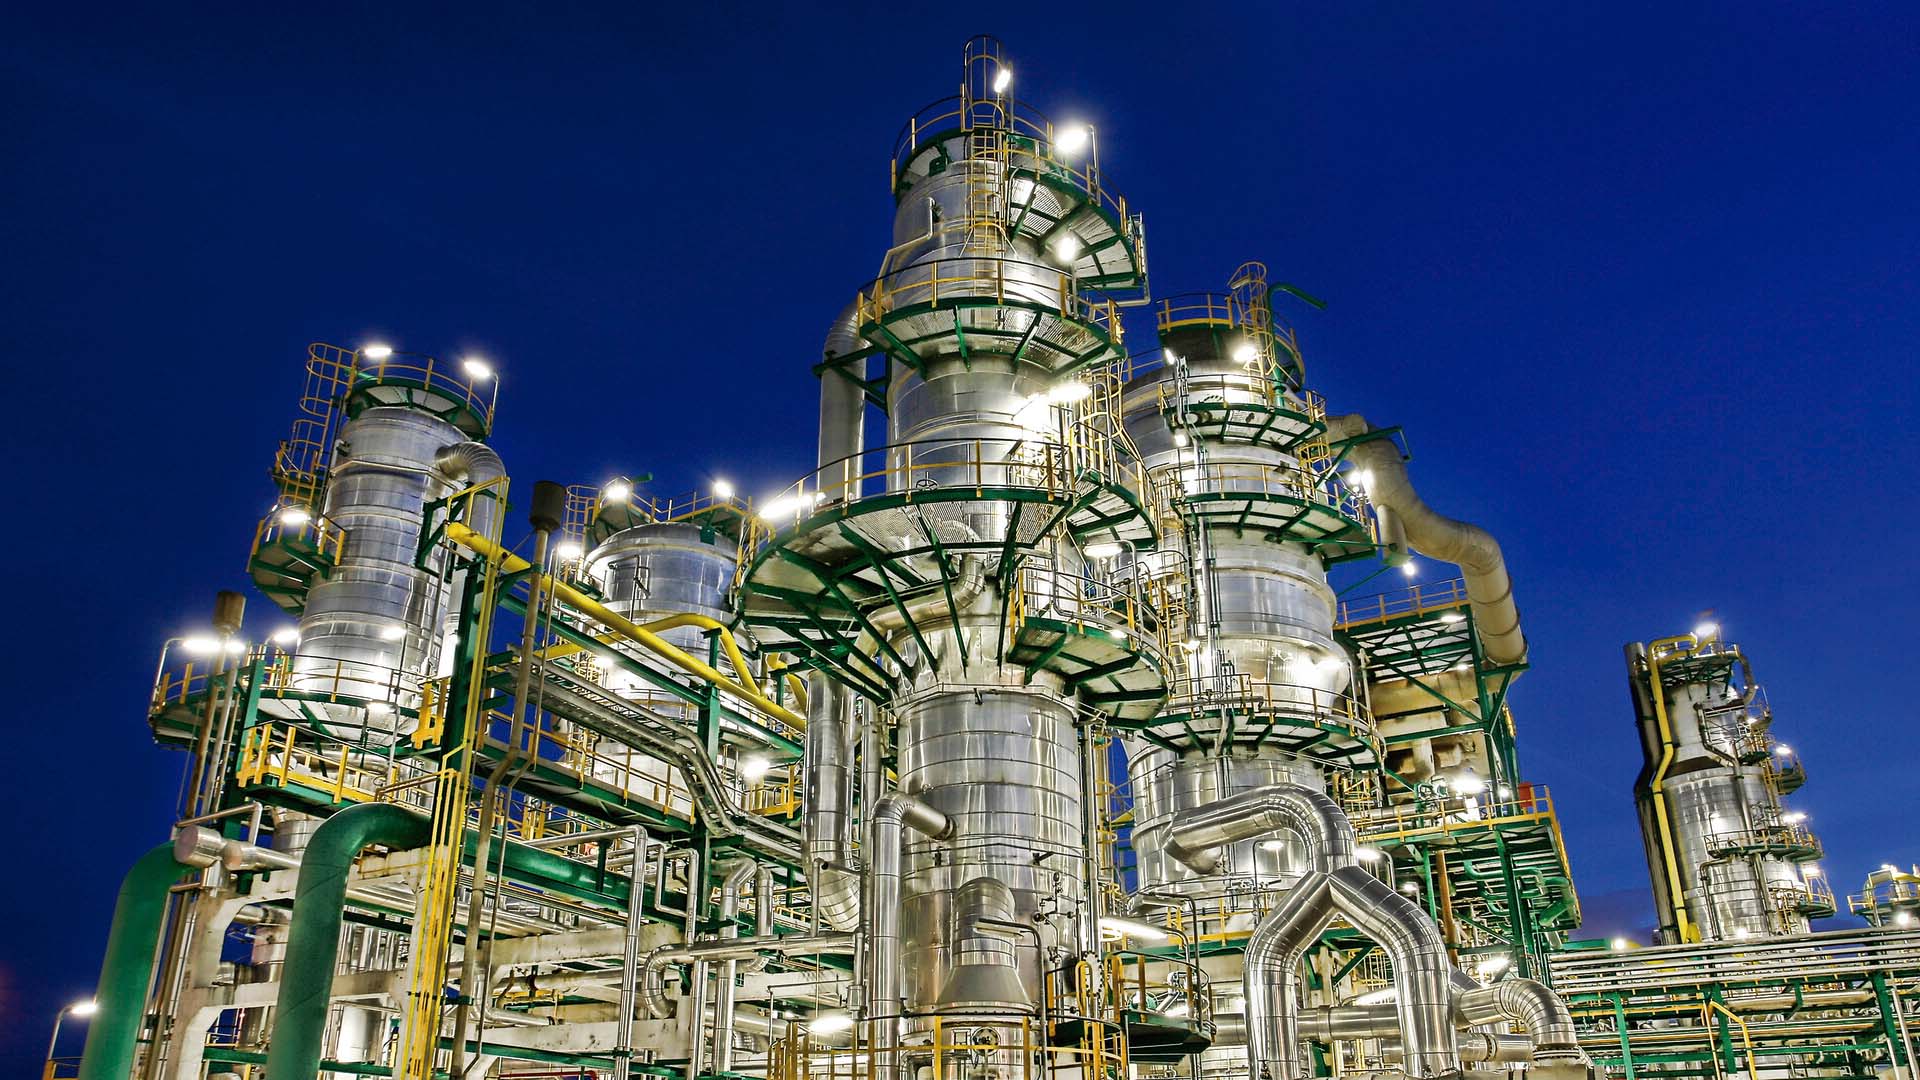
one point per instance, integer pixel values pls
(1054, 724)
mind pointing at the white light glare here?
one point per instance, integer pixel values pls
(1066, 247)
(295, 516)
(83, 1008)
(1246, 353)
(567, 551)
(1453, 618)
(753, 768)
(1410, 888)
(785, 506)
(1177, 1009)
(832, 1023)
(1619, 944)
(1469, 784)
(1367, 854)
(1068, 392)
(722, 490)
(200, 646)
(1901, 918)
(1492, 965)
(1504, 791)
(1104, 550)
(1129, 928)
(392, 633)
(378, 708)
(1363, 479)
(1179, 438)
(1783, 750)
(286, 635)
(1002, 79)
(1377, 997)
(1810, 870)
(618, 491)
(1072, 139)
(477, 369)
(376, 351)
(1410, 568)
(1794, 818)
(1706, 630)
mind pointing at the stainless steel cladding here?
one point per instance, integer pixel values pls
(650, 571)
(1002, 763)
(372, 629)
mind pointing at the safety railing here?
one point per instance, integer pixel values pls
(292, 523)
(936, 281)
(631, 775)
(1166, 985)
(1243, 390)
(343, 682)
(1415, 600)
(1813, 894)
(1018, 1048)
(453, 380)
(1241, 693)
(1400, 821)
(776, 794)
(1232, 479)
(280, 754)
(1122, 604)
(1781, 838)
(1032, 144)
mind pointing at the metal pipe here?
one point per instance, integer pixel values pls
(738, 874)
(127, 970)
(887, 823)
(313, 941)
(1422, 974)
(829, 802)
(630, 965)
(654, 967)
(1271, 974)
(1526, 1002)
(1196, 835)
(1489, 587)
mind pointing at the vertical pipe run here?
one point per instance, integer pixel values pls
(630, 968)
(127, 970)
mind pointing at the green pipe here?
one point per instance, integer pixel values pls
(251, 1057)
(127, 972)
(313, 941)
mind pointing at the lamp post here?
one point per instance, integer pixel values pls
(82, 1009)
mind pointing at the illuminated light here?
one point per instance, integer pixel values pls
(1190, 645)
(1410, 888)
(567, 551)
(376, 351)
(1706, 629)
(1177, 1009)
(83, 1008)
(378, 708)
(1492, 965)
(1783, 750)
(202, 646)
(1619, 944)
(1810, 870)
(1504, 791)
(1740, 934)
(1130, 928)
(1363, 479)
(1002, 79)
(1794, 818)
(477, 369)
(286, 635)
(1368, 854)
(616, 491)
(1069, 392)
(1889, 868)
(1071, 140)
(1901, 918)
(1469, 784)
(832, 1023)
(235, 648)
(1273, 845)
(722, 490)
(1453, 618)
(1065, 247)
(295, 516)
(392, 633)
(1409, 568)
(1246, 353)
(754, 768)
(784, 506)
(1103, 550)
(1179, 438)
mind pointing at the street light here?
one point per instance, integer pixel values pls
(81, 1009)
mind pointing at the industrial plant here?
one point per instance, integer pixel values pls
(1069, 717)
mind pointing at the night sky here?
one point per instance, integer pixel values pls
(1641, 284)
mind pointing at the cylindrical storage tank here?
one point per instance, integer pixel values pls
(651, 571)
(371, 630)
(1002, 762)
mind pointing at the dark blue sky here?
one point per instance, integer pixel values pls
(1640, 282)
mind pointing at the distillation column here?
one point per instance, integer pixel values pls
(1728, 859)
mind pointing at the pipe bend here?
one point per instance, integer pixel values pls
(1527, 1002)
(1196, 835)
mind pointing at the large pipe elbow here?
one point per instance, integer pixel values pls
(1196, 836)
(1270, 977)
(1527, 1002)
(1473, 549)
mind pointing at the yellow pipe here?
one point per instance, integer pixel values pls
(688, 618)
(1675, 887)
(633, 632)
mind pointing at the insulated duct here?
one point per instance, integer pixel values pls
(1495, 615)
